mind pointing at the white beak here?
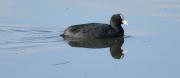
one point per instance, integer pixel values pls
(124, 22)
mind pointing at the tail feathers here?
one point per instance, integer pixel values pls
(62, 35)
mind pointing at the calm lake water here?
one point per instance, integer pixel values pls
(30, 46)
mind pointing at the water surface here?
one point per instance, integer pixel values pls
(30, 46)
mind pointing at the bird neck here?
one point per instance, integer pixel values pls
(117, 28)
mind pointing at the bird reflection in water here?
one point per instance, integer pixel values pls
(114, 44)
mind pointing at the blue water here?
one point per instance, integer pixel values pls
(30, 46)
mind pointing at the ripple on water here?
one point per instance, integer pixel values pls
(21, 37)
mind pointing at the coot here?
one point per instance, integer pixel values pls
(97, 30)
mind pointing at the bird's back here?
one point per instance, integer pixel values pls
(90, 30)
